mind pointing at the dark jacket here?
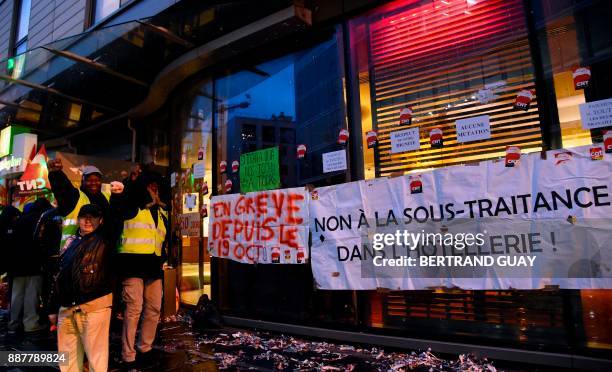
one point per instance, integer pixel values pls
(49, 232)
(26, 258)
(8, 219)
(85, 270)
(145, 266)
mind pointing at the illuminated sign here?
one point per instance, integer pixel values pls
(5, 141)
(8, 163)
(10, 64)
(6, 138)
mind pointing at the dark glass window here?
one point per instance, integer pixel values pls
(283, 102)
(22, 26)
(573, 35)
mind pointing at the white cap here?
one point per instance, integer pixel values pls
(90, 169)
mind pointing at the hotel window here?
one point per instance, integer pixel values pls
(424, 65)
(575, 43)
(21, 27)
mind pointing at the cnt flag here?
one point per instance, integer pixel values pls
(36, 175)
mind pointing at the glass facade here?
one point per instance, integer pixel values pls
(405, 64)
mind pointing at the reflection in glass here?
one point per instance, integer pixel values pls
(192, 194)
(284, 102)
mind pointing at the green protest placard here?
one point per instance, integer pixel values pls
(259, 170)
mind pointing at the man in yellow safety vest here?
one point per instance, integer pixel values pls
(70, 199)
(140, 260)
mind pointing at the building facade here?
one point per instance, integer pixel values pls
(174, 83)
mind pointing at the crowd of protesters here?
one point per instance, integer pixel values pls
(75, 260)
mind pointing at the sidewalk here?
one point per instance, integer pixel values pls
(178, 348)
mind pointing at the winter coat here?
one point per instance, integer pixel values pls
(85, 270)
(26, 257)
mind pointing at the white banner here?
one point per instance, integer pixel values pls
(543, 222)
(266, 227)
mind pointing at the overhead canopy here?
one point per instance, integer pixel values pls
(82, 81)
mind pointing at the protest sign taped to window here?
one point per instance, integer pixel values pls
(266, 227)
(545, 222)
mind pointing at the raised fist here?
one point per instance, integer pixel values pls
(55, 165)
(116, 187)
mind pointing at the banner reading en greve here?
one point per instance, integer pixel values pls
(267, 227)
(545, 222)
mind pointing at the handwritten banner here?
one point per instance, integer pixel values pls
(267, 227)
(259, 170)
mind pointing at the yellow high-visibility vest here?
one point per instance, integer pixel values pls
(70, 225)
(141, 236)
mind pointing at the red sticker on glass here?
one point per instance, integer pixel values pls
(582, 76)
(301, 151)
(523, 100)
(343, 136)
(436, 138)
(405, 115)
(371, 138)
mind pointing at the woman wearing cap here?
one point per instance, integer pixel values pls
(81, 295)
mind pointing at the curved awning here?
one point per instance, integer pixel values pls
(124, 70)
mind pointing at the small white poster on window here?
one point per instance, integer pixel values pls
(473, 129)
(405, 140)
(190, 203)
(334, 161)
(199, 170)
(596, 114)
(173, 179)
